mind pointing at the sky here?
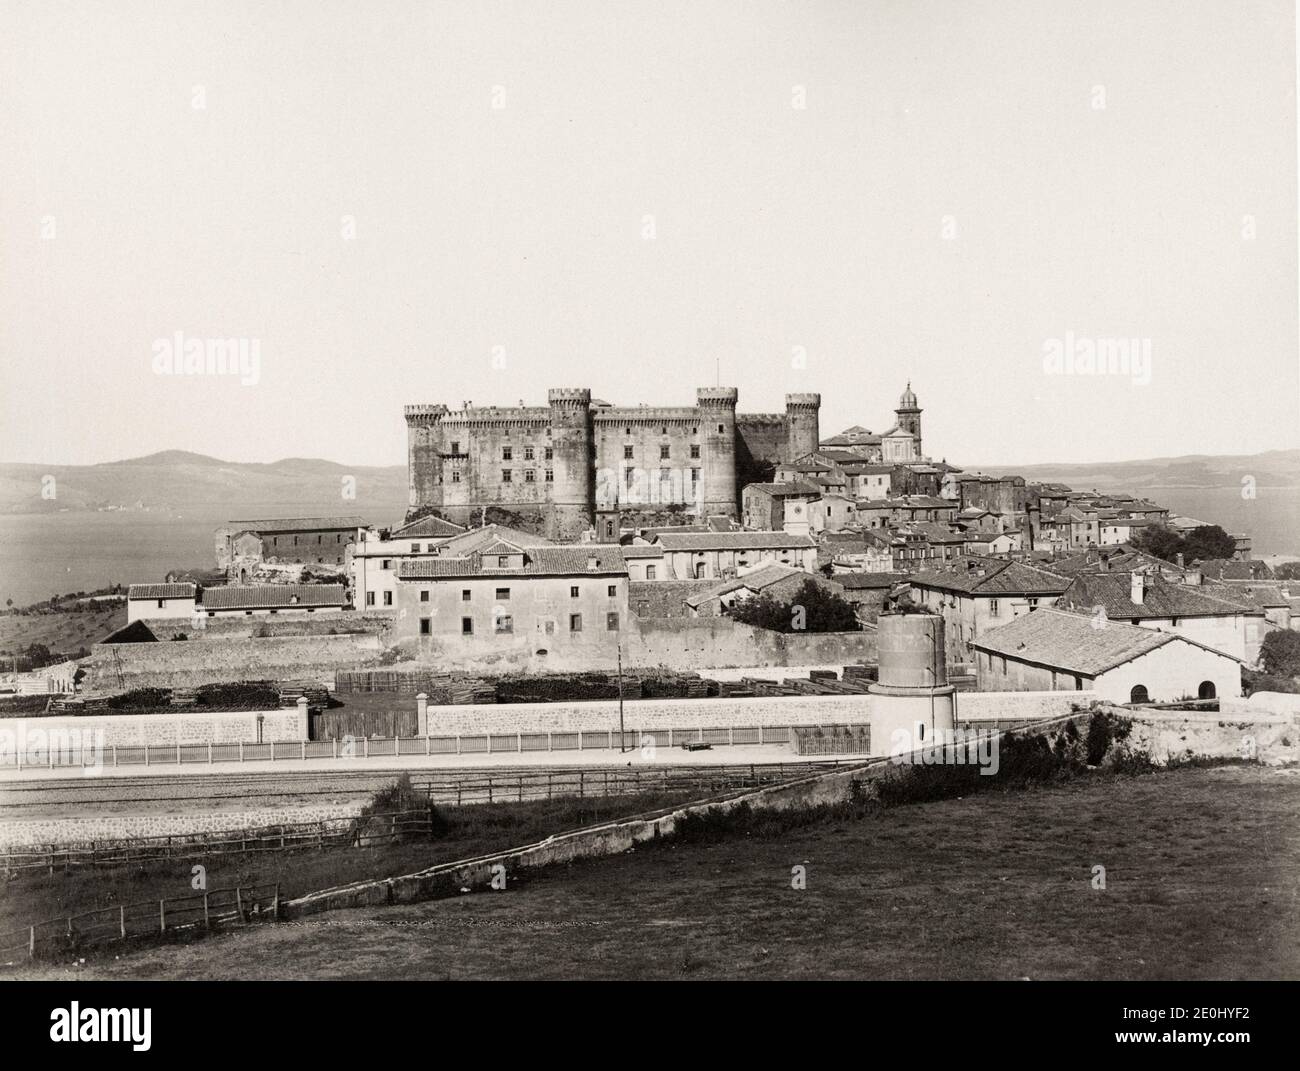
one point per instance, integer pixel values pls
(398, 202)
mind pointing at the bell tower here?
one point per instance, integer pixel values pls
(909, 416)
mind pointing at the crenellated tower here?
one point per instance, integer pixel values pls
(572, 493)
(424, 455)
(803, 434)
(717, 406)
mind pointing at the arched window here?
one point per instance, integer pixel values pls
(1139, 694)
(1206, 690)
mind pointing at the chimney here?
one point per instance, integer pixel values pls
(1178, 559)
(593, 563)
(1137, 588)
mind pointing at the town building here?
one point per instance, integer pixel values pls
(766, 506)
(242, 546)
(265, 599)
(149, 601)
(721, 555)
(1057, 650)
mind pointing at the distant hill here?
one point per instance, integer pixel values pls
(1273, 468)
(177, 481)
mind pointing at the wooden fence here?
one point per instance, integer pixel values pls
(345, 832)
(147, 918)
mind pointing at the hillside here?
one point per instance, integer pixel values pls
(1273, 468)
(177, 481)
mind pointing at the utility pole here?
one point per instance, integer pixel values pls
(619, 640)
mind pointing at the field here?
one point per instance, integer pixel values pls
(1201, 882)
(63, 633)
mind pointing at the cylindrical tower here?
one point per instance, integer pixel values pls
(572, 492)
(717, 407)
(803, 434)
(424, 455)
(912, 703)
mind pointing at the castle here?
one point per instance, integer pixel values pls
(557, 466)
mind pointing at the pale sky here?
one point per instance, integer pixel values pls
(875, 191)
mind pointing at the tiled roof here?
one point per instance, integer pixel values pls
(755, 580)
(1223, 569)
(1160, 598)
(568, 560)
(1121, 558)
(732, 541)
(992, 576)
(636, 550)
(478, 538)
(1256, 594)
(427, 528)
(1070, 641)
(297, 524)
(261, 596)
(909, 502)
(856, 581)
(160, 591)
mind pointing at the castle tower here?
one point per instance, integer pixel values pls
(803, 435)
(717, 406)
(909, 416)
(424, 455)
(572, 494)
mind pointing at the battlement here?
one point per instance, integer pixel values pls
(569, 396)
(717, 396)
(425, 414)
(803, 401)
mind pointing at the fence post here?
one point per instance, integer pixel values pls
(581, 784)
(275, 904)
(489, 785)
(241, 751)
(31, 942)
(207, 919)
(114, 754)
(239, 904)
(121, 920)
(162, 916)
(209, 752)
(178, 752)
(426, 745)
(548, 742)
(304, 751)
(365, 747)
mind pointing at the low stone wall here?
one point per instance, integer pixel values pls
(180, 664)
(1269, 738)
(291, 623)
(192, 727)
(92, 831)
(1018, 706)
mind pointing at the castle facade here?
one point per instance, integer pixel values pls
(557, 466)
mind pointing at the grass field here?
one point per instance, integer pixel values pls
(64, 633)
(1201, 866)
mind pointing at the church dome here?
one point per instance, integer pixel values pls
(908, 400)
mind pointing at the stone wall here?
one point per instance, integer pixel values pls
(1165, 735)
(181, 727)
(1018, 706)
(719, 642)
(195, 825)
(119, 667)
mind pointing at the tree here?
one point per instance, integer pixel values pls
(38, 655)
(813, 608)
(1159, 541)
(1208, 541)
(1280, 653)
(1287, 571)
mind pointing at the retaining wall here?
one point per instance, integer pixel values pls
(134, 730)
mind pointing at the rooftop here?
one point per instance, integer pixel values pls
(1160, 598)
(263, 596)
(160, 591)
(1070, 641)
(298, 524)
(569, 560)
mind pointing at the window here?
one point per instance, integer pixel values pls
(721, 429)
(528, 453)
(573, 591)
(415, 548)
(695, 476)
(575, 622)
(663, 453)
(426, 626)
(160, 604)
(503, 594)
(1138, 694)
(530, 476)
(370, 598)
(464, 595)
(627, 453)
(467, 626)
(507, 452)
(550, 475)
(630, 475)
(995, 608)
(502, 623)
(386, 563)
(663, 431)
(695, 451)
(548, 453)
(424, 596)
(611, 622)
(505, 475)
(1206, 690)
(649, 572)
(550, 628)
(612, 591)
(455, 476)
(455, 447)
(503, 561)
(388, 598)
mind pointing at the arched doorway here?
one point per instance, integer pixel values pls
(1139, 694)
(1206, 691)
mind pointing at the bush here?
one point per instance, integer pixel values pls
(813, 608)
(239, 695)
(1279, 654)
(141, 699)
